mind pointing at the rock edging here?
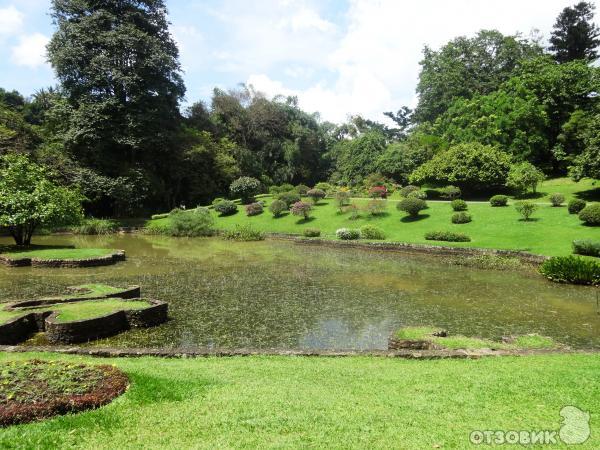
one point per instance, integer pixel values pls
(118, 255)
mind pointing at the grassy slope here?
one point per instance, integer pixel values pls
(293, 402)
(56, 253)
(80, 310)
(550, 232)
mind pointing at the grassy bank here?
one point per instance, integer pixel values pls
(550, 231)
(42, 252)
(287, 402)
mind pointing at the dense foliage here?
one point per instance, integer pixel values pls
(412, 206)
(461, 217)
(448, 236)
(575, 205)
(499, 200)
(197, 222)
(371, 232)
(347, 234)
(590, 215)
(586, 247)
(571, 269)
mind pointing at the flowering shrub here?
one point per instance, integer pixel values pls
(245, 187)
(378, 192)
(301, 209)
(254, 209)
(347, 234)
(316, 195)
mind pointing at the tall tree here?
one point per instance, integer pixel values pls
(468, 66)
(118, 66)
(575, 35)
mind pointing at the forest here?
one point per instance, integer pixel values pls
(493, 111)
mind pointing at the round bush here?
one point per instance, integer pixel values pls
(557, 199)
(289, 198)
(408, 189)
(590, 215)
(575, 205)
(302, 189)
(277, 207)
(226, 207)
(197, 222)
(324, 187)
(245, 188)
(586, 247)
(458, 205)
(311, 232)
(347, 234)
(450, 192)
(417, 194)
(461, 217)
(412, 206)
(286, 187)
(315, 195)
(301, 209)
(254, 209)
(372, 232)
(499, 200)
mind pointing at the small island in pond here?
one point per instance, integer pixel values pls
(51, 256)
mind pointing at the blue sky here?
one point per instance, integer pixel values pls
(339, 57)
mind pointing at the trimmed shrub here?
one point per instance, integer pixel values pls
(277, 207)
(417, 194)
(217, 201)
(571, 269)
(412, 206)
(377, 206)
(289, 198)
(342, 198)
(499, 200)
(448, 236)
(378, 192)
(586, 247)
(590, 215)
(575, 205)
(226, 207)
(97, 226)
(245, 188)
(254, 209)
(302, 189)
(408, 189)
(450, 192)
(459, 205)
(557, 199)
(347, 234)
(196, 222)
(461, 217)
(315, 195)
(328, 188)
(526, 209)
(311, 232)
(286, 187)
(301, 209)
(159, 216)
(371, 232)
(243, 233)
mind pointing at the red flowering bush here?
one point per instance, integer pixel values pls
(378, 192)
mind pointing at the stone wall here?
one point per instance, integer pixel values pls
(118, 255)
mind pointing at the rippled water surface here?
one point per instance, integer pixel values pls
(281, 295)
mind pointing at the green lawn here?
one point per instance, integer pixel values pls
(549, 232)
(80, 310)
(308, 402)
(40, 252)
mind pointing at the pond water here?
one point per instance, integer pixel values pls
(276, 294)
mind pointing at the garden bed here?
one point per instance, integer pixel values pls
(60, 257)
(32, 389)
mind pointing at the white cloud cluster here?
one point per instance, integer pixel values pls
(374, 60)
(29, 50)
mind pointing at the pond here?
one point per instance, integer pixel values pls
(277, 294)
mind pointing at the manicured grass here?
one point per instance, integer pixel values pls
(586, 189)
(307, 402)
(530, 341)
(550, 231)
(80, 310)
(55, 253)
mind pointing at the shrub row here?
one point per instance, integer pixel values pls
(448, 236)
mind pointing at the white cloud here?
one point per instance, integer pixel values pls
(30, 51)
(11, 20)
(375, 60)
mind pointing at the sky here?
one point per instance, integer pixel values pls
(339, 57)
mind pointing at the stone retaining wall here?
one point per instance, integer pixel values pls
(439, 250)
(19, 329)
(118, 255)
